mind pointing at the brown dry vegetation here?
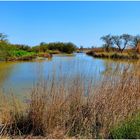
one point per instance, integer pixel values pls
(114, 53)
(65, 111)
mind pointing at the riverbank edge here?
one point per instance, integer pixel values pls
(36, 56)
(114, 55)
(28, 57)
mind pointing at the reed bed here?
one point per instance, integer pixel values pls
(57, 109)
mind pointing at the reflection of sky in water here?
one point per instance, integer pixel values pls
(22, 75)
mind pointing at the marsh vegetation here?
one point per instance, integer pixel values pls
(72, 104)
(70, 95)
(124, 46)
(19, 52)
(60, 110)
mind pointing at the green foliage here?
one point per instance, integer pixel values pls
(129, 129)
(3, 37)
(62, 47)
(8, 51)
(22, 47)
(43, 47)
(19, 53)
(5, 50)
(14, 51)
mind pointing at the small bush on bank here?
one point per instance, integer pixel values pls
(129, 129)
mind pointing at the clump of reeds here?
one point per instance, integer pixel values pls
(65, 110)
(116, 100)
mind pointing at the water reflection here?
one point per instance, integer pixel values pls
(21, 76)
(5, 71)
(117, 67)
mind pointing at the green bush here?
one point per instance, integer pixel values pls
(129, 129)
(6, 50)
(19, 53)
(10, 51)
(58, 46)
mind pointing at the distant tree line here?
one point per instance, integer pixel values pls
(121, 42)
(8, 50)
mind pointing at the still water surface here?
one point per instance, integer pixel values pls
(21, 76)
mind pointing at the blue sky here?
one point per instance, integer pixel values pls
(82, 23)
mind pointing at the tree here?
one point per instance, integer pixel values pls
(3, 37)
(69, 48)
(81, 48)
(117, 41)
(126, 41)
(5, 50)
(108, 41)
(21, 47)
(43, 47)
(4, 47)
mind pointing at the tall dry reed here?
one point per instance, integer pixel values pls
(72, 110)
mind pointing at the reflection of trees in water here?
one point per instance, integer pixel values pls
(5, 71)
(117, 67)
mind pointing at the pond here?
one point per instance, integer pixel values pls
(20, 77)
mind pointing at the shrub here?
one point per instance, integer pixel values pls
(58, 46)
(129, 129)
